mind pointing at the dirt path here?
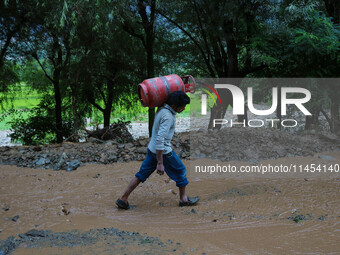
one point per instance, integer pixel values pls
(286, 213)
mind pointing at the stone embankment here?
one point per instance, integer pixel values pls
(228, 144)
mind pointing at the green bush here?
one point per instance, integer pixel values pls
(35, 129)
(38, 127)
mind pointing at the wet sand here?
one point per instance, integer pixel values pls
(238, 213)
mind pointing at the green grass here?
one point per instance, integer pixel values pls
(4, 124)
(25, 98)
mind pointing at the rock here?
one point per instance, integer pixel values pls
(73, 165)
(65, 210)
(329, 137)
(61, 162)
(41, 161)
(129, 145)
(8, 246)
(142, 150)
(36, 233)
(298, 218)
(327, 157)
(96, 176)
(95, 140)
(194, 211)
(142, 142)
(6, 207)
(22, 236)
(68, 145)
(112, 158)
(126, 157)
(103, 157)
(281, 153)
(15, 218)
(37, 148)
(131, 149)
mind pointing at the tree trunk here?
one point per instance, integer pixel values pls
(9, 36)
(279, 110)
(151, 73)
(57, 94)
(109, 101)
(150, 38)
(218, 111)
(335, 115)
(231, 72)
(76, 125)
(107, 114)
(58, 112)
(313, 121)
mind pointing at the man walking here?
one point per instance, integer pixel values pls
(160, 155)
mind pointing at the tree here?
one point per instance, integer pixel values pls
(139, 21)
(51, 50)
(106, 58)
(222, 32)
(14, 17)
(303, 42)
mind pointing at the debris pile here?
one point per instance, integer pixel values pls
(229, 144)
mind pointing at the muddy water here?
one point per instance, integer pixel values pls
(238, 213)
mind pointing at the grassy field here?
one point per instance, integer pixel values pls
(25, 99)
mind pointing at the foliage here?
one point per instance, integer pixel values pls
(87, 57)
(38, 127)
(300, 41)
(8, 82)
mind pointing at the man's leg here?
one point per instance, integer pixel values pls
(182, 196)
(147, 168)
(132, 185)
(176, 170)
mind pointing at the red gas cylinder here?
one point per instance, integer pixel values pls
(154, 92)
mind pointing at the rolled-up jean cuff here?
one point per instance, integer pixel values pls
(140, 177)
(182, 183)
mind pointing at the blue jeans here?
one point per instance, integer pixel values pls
(173, 167)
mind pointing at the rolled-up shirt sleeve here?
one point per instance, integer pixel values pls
(163, 131)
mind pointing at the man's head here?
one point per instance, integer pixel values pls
(178, 100)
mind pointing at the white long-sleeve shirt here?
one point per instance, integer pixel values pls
(163, 130)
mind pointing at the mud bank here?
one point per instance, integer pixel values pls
(228, 144)
(250, 213)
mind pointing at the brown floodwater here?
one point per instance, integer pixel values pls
(248, 213)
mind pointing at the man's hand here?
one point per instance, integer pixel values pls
(160, 168)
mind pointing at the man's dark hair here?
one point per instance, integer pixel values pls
(178, 99)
